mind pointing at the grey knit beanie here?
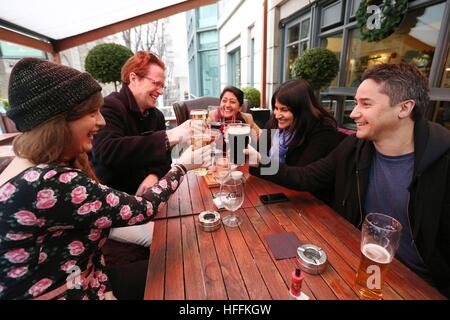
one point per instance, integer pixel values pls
(40, 89)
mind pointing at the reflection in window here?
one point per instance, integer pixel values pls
(414, 42)
(446, 77)
(334, 44)
(297, 41)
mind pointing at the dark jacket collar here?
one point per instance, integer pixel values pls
(431, 141)
(128, 99)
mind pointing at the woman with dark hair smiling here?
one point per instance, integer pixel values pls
(231, 101)
(304, 130)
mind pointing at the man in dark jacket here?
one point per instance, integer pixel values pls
(398, 163)
(133, 151)
(134, 146)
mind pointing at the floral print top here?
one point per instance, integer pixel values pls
(53, 222)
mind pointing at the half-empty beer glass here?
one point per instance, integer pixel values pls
(380, 238)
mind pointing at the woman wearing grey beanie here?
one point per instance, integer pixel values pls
(55, 215)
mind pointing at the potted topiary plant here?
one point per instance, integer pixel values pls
(318, 66)
(253, 97)
(104, 62)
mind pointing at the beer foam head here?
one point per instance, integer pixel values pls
(199, 112)
(376, 253)
(238, 130)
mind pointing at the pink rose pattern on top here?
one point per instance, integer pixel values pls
(62, 226)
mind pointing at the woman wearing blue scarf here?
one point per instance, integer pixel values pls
(302, 130)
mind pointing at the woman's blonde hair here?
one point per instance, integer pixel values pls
(48, 142)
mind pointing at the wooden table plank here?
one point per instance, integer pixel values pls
(206, 195)
(232, 278)
(174, 283)
(254, 282)
(193, 278)
(212, 275)
(195, 196)
(173, 206)
(184, 197)
(278, 289)
(154, 289)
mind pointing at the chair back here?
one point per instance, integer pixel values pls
(183, 108)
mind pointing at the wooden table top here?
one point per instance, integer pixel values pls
(188, 263)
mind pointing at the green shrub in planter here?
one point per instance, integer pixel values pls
(318, 66)
(104, 62)
(253, 96)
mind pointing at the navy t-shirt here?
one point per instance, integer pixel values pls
(388, 193)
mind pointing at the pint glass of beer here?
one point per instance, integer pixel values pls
(380, 238)
(200, 114)
(238, 138)
(199, 140)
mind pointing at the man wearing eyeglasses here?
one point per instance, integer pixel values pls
(133, 150)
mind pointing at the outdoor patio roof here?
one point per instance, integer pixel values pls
(55, 25)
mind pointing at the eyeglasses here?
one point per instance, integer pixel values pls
(158, 84)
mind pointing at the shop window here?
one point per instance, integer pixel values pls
(334, 44)
(415, 42)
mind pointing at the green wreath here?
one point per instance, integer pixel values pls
(392, 14)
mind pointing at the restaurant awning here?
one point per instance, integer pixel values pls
(54, 25)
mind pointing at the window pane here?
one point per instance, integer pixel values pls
(208, 40)
(292, 53)
(209, 68)
(415, 42)
(446, 78)
(15, 51)
(333, 43)
(234, 77)
(293, 33)
(355, 6)
(207, 16)
(331, 14)
(304, 29)
(347, 122)
(303, 46)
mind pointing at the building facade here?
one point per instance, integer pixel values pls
(203, 51)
